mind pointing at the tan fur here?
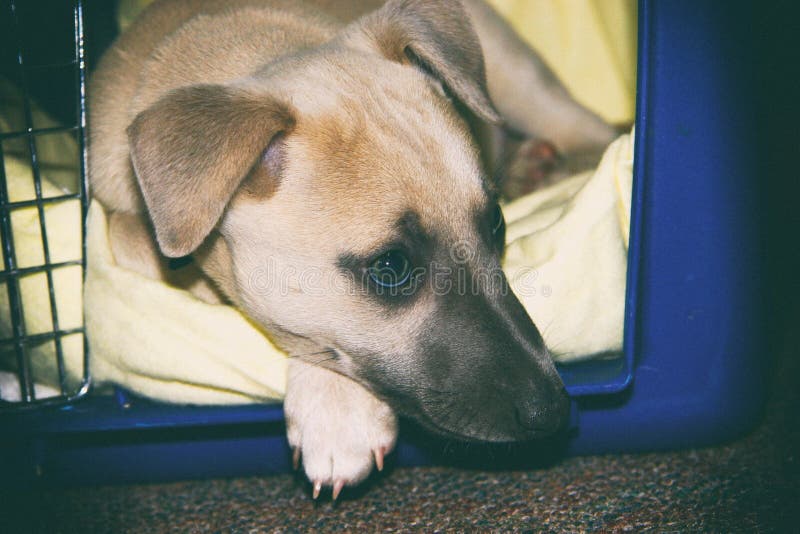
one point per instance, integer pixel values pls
(333, 182)
(270, 138)
(192, 149)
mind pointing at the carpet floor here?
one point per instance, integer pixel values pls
(750, 485)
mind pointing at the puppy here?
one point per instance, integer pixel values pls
(317, 161)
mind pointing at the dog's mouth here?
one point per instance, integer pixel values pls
(470, 428)
(465, 437)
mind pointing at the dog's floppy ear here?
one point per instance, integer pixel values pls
(438, 35)
(192, 149)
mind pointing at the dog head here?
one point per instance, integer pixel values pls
(337, 197)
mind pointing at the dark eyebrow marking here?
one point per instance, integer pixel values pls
(411, 229)
(408, 236)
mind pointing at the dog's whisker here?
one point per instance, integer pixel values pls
(548, 325)
(546, 329)
(307, 354)
(320, 362)
(565, 354)
(556, 348)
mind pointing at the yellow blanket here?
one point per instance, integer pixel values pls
(566, 256)
(63, 227)
(566, 259)
(164, 343)
(58, 161)
(589, 44)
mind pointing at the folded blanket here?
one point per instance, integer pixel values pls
(566, 260)
(164, 343)
(566, 255)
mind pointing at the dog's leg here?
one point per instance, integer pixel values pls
(527, 93)
(338, 428)
(534, 103)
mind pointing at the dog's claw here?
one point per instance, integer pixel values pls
(296, 458)
(337, 488)
(317, 489)
(379, 452)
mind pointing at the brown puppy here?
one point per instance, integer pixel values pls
(314, 160)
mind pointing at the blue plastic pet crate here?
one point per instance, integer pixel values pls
(693, 366)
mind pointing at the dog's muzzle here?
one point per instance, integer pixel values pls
(480, 372)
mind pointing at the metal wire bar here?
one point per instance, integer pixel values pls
(43, 201)
(10, 263)
(4, 275)
(33, 339)
(80, 55)
(12, 286)
(36, 131)
(37, 187)
(20, 340)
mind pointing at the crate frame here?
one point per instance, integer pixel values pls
(693, 372)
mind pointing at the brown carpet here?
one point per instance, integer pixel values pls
(751, 485)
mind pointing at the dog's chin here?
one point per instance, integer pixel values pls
(473, 436)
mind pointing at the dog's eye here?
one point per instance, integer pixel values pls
(498, 222)
(391, 269)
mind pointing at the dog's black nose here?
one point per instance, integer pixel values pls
(543, 414)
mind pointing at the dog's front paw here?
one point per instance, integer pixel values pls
(338, 428)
